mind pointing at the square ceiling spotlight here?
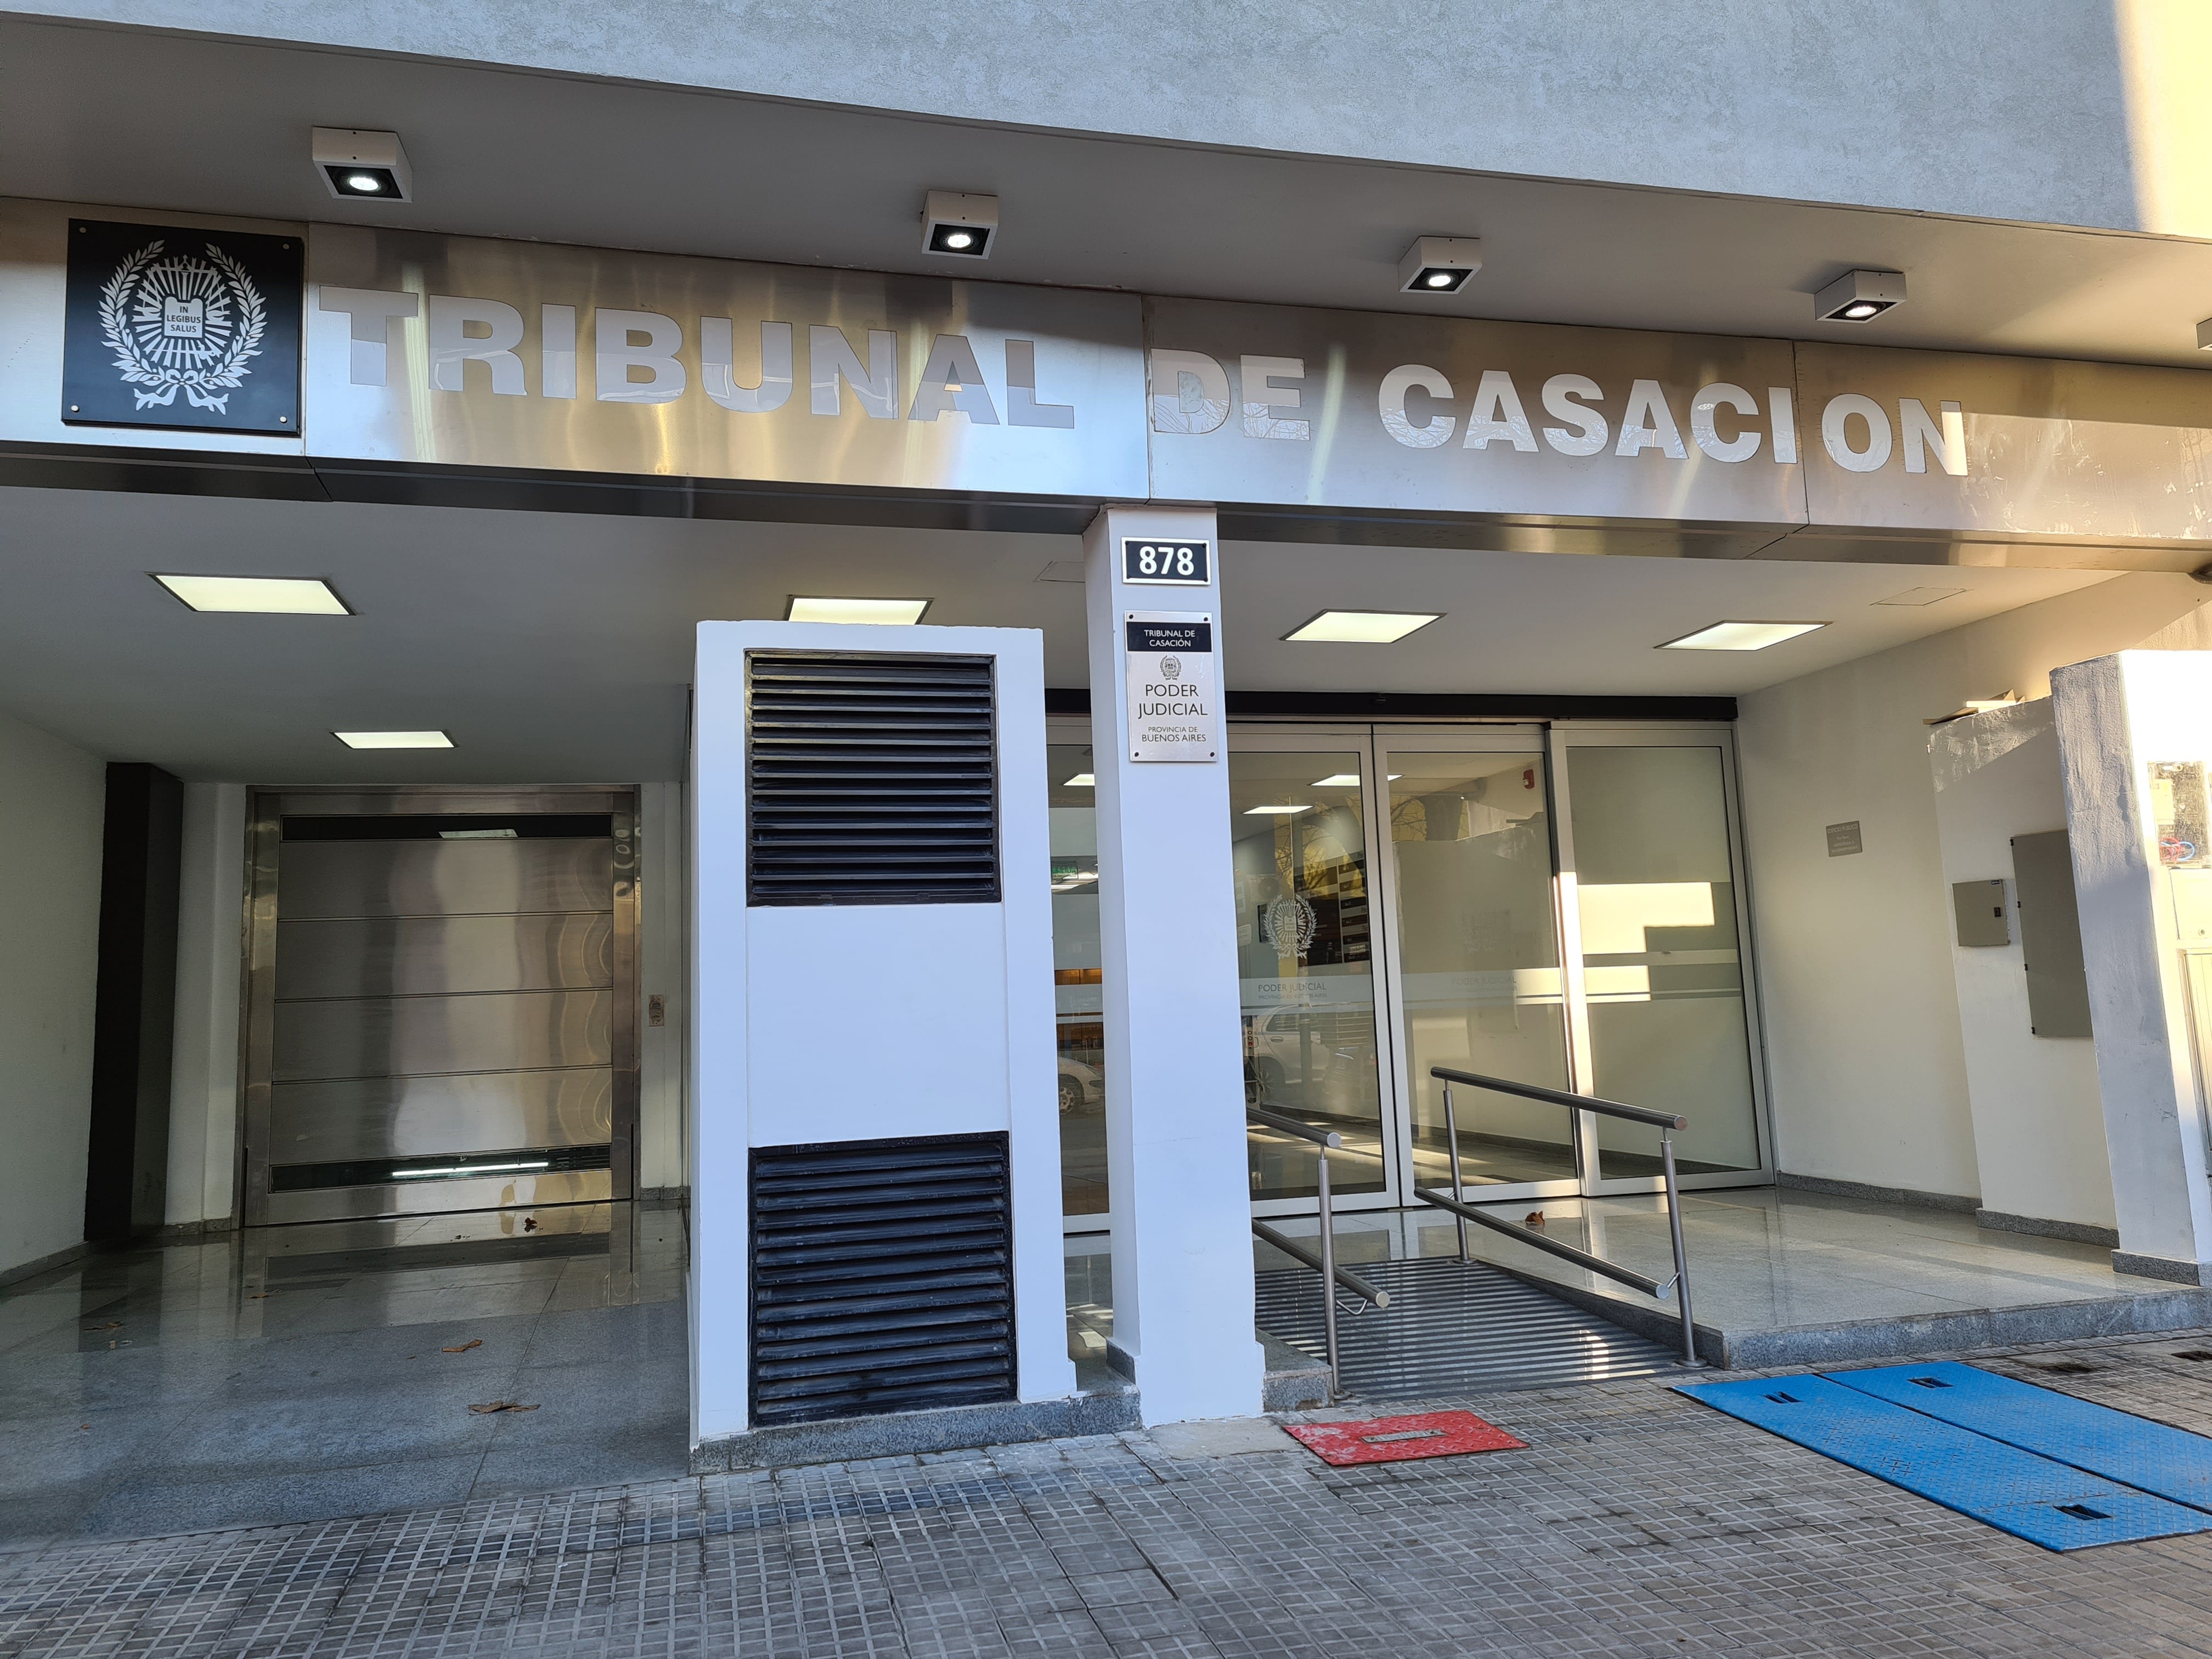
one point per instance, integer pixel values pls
(1361, 626)
(890, 612)
(358, 166)
(1740, 635)
(285, 596)
(1439, 265)
(394, 740)
(961, 227)
(1859, 296)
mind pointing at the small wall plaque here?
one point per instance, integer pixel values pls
(1844, 840)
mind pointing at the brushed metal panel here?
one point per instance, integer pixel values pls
(433, 1197)
(421, 1116)
(1075, 357)
(318, 879)
(1336, 446)
(500, 1031)
(2085, 452)
(427, 956)
(407, 802)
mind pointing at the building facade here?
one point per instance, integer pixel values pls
(1467, 587)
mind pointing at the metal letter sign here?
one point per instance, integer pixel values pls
(181, 328)
(1172, 713)
(1166, 564)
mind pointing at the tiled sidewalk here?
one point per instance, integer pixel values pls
(1636, 1524)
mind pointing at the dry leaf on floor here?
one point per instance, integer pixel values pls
(503, 1406)
(111, 1325)
(259, 1296)
(473, 1342)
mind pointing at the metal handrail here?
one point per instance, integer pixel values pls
(1561, 1097)
(1297, 1252)
(1665, 1122)
(1330, 1276)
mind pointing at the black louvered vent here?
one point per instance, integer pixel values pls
(871, 779)
(882, 1277)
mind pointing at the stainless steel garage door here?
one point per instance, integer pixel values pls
(442, 1002)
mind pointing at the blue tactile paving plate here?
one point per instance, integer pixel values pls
(2151, 1456)
(2036, 1499)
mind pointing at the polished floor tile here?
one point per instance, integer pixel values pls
(295, 1375)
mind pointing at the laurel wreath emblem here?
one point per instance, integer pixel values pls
(182, 324)
(1288, 924)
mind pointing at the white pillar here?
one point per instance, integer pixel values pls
(2116, 716)
(1175, 1159)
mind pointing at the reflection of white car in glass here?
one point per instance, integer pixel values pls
(1080, 1086)
(1284, 1041)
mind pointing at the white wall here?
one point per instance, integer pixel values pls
(1865, 1058)
(2038, 1122)
(663, 962)
(204, 1093)
(52, 801)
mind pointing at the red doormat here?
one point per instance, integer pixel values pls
(1396, 1439)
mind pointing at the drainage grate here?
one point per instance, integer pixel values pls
(1454, 1327)
(871, 779)
(882, 1277)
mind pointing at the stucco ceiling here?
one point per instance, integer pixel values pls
(152, 120)
(556, 648)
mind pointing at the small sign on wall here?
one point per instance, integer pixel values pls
(1146, 559)
(1173, 706)
(1844, 840)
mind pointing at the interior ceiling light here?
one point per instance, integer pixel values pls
(360, 166)
(892, 612)
(1361, 626)
(1740, 635)
(1275, 811)
(1439, 265)
(1859, 296)
(1348, 781)
(290, 596)
(2204, 335)
(394, 740)
(961, 227)
(1082, 781)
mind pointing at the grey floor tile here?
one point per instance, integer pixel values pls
(156, 1504)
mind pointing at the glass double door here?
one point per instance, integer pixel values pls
(1558, 907)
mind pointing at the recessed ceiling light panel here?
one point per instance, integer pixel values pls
(1361, 626)
(1439, 265)
(1740, 635)
(1859, 296)
(959, 226)
(890, 612)
(394, 740)
(359, 165)
(1081, 781)
(1275, 811)
(290, 596)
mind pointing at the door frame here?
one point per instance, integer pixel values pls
(1462, 737)
(1356, 740)
(266, 808)
(1564, 735)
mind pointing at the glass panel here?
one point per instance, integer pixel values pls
(1660, 964)
(1306, 965)
(1080, 1017)
(1479, 951)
